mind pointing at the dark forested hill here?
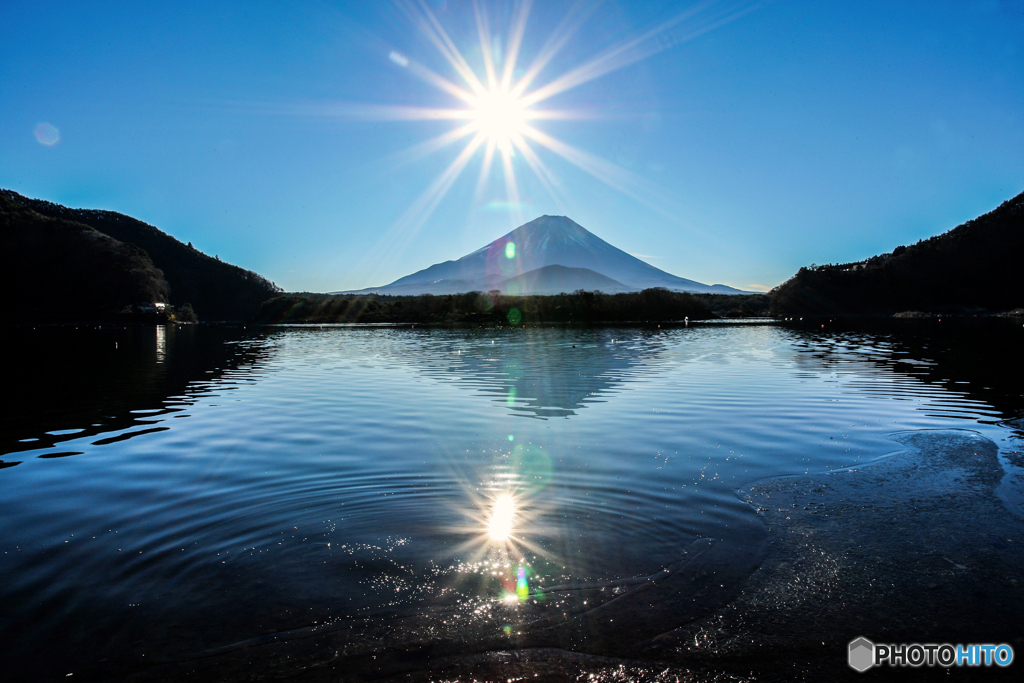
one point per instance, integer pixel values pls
(216, 290)
(55, 268)
(974, 266)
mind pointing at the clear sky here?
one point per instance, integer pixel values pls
(726, 142)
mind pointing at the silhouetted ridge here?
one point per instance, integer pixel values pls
(59, 269)
(973, 266)
(216, 290)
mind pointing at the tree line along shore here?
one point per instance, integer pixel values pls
(659, 305)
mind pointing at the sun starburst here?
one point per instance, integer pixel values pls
(498, 103)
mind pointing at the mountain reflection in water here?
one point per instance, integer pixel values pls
(540, 372)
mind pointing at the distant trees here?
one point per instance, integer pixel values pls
(738, 305)
(657, 305)
(185, 314)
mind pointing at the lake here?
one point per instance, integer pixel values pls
(216, 500)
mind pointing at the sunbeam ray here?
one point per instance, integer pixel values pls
(484, 32)
(540, 170)
(511, 186)
(354, 111)
(434, 144)
(439, 81)
(613, 59)
(607, 172)
(432, 28)
(425, 204)
(412, 219)
(485, 170)
(564, 114)
(565, 30)
(611, 174)
(515, 41)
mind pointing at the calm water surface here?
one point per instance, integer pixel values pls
(167, 492)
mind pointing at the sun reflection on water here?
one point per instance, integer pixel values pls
(503, 515)
(506, 555)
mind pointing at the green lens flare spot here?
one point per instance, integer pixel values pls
(531, 466)
(510, 250)
(514, 316)
(522, 585)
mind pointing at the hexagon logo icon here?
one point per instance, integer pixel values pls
(862, 654)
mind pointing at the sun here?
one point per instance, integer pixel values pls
(500, 117)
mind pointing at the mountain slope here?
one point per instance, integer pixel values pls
(545, 241)
(216, 290)
(58, 269)
(558, 279)
(975, 265)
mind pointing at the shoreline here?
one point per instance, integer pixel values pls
(912, 319)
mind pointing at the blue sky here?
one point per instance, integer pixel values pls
(726, 142)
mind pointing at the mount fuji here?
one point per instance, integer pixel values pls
(548, 255)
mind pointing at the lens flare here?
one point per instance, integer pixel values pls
(47, 134)
(503, 514)
(522, 586)
(510, 250)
